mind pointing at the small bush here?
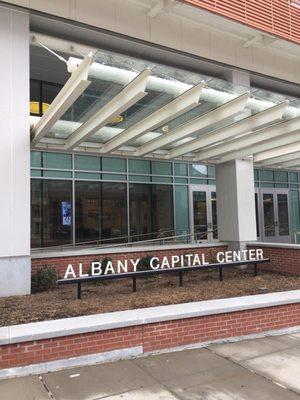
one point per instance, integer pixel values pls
(144, 263)
(44, 279)
(103, 264)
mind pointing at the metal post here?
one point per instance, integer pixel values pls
(181, 278)
(134, 283)
(255, 269)
(221, 274)
(79, 291)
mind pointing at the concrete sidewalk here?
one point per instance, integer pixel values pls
(258, 369)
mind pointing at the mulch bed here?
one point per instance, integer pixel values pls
(153, 291)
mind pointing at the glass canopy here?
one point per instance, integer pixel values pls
(166, 117)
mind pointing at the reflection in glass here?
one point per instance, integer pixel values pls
(36, 213)
(181, 210)
(151, 211)
(114, 212)
(162, 210)
(256, 215)
(140, 211)
(87, 211)
(283, 214)
(214, 214)
(51, 212)
(200, 215)
(269, 220)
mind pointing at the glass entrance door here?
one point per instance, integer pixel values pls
(275, 215)
(203, 213)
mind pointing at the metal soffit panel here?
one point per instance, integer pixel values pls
(121, 106)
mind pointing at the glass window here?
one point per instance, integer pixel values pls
(211, 171)
(267, 185)
(180, 180)
(139, 166)
(293, 177)
(283, 214)
(161, 168)
(269, 217)
(162, 210)
(114, 212)
(57, 174)
(295, 217)
(35, 97)
(151, 211)
(114, 177)
(87, 211)
(57, 160)
(35, 172)
(198, 170)
(87, 163)
(195, 181)
(256, 175)
(266, 175)
(180, 169)
(140, 211)
(181, 209)
(139, 178)
(49, 92)
(51, 212)
(36, 213)
(161, 179)
(35, 159)
(280, 176)
(113, 164)
(87, 175)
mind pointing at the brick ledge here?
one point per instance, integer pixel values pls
(123, 319)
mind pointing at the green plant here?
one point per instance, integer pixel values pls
(44, 279)
(103, 264)
(144, 263)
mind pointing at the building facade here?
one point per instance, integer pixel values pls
(146, 122)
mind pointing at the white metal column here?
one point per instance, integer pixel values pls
(236, 203)
(14, 153)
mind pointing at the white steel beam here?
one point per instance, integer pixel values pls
(75, 86)
(224, 111)
(276, 156)
(266, 145)
(284, 158)
(264, 117)
(133, 92)
(176, 107)
(247, 144)
(292, 163)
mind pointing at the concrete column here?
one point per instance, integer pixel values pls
(14, 153)
(236, 203)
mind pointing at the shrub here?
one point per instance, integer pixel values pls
(44, 279)
(144, 263)
(103, 264)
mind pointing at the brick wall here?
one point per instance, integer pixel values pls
(61, 263)
(286, 260)
(152, 337)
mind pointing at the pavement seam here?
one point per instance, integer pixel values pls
(256, 373)
(262, 355)
(50, 394)
(160, 383)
